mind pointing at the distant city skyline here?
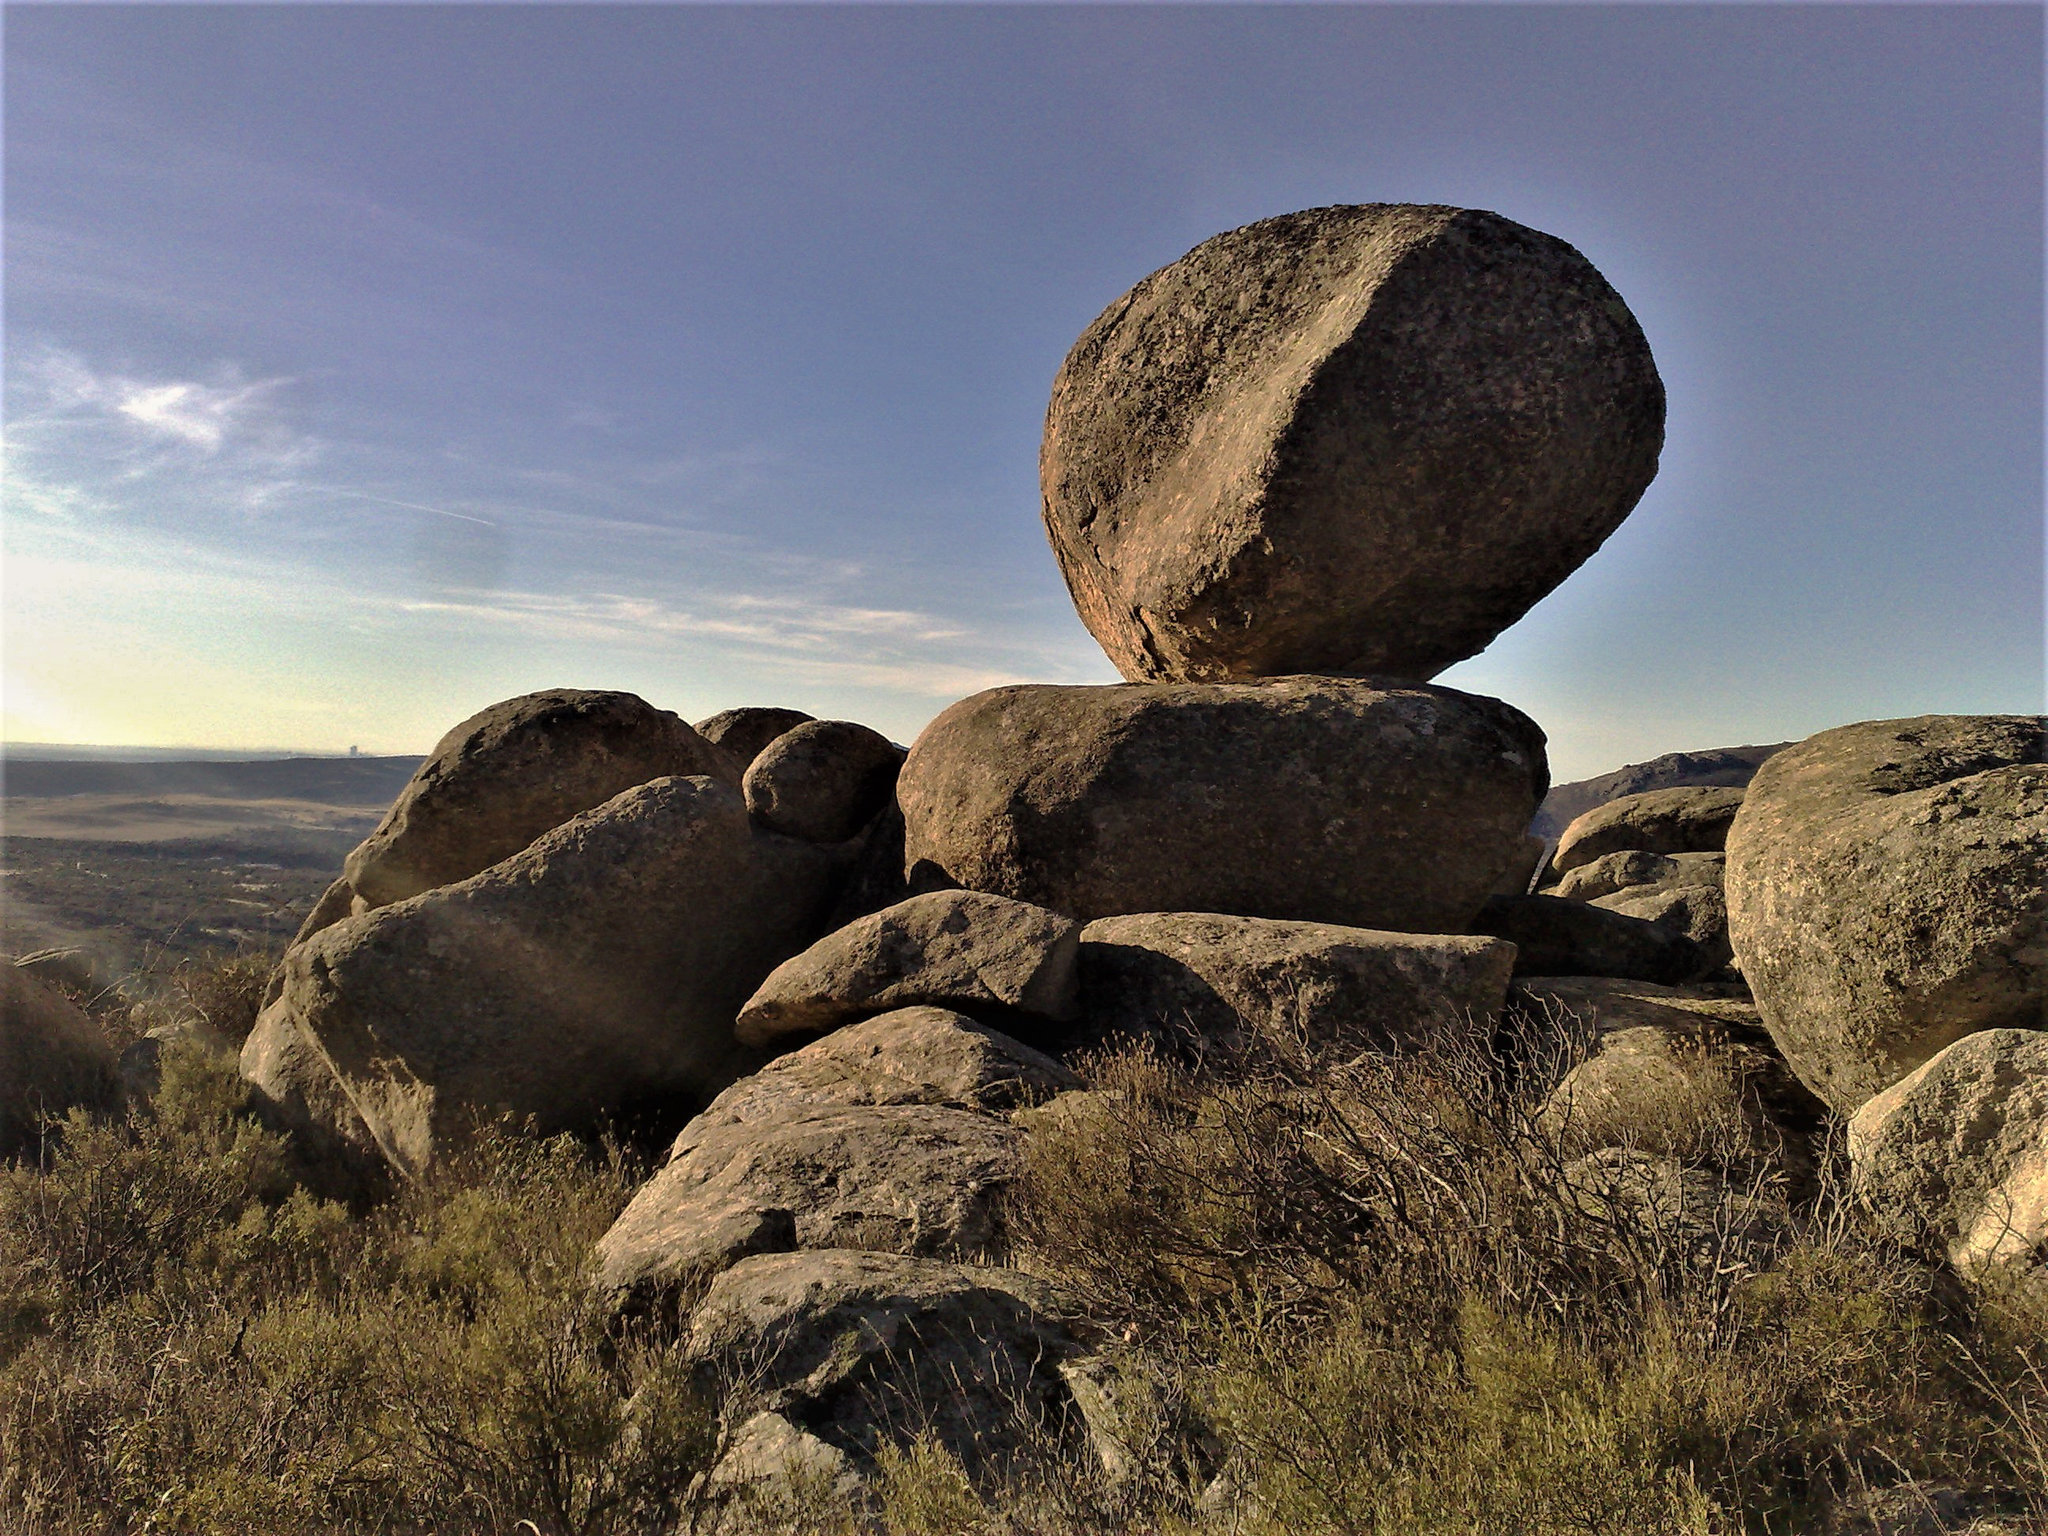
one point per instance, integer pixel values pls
(366, 365)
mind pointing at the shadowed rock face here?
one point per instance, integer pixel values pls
(1189, 976)
(1357, 439)
(1554, 937)
(601, 965)
(51, 1058)
(866, 1350)
(1888, 894)
(503, 777)
(1336, 800)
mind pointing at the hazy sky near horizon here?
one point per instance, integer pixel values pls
(367, 364)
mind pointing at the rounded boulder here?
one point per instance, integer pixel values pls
(1357, 439)
(822, 780)
(1363, 802)
(514, 771)
(1887, 894)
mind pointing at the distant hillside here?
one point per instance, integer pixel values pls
(369, 781)
(1715, 766)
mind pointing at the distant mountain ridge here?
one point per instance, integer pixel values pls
(1715, 766)
(369, 781)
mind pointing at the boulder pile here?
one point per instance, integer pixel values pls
(1289, 479)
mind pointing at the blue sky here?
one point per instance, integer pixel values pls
(366, 364)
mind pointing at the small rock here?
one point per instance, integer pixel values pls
(1637, 869)
(52, 1059)
(742, 733)
(1693, 819)
(823, 780)
(865, 1350)
(896, 1178)
(906, 1056)
(1554, 937)
(503, 777)
(1176, 975)
(1305, 798)
(1953, 1158)
(951, 949)
(1888, 894)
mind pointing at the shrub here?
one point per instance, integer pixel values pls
(199, 1346)
(1402, 1307)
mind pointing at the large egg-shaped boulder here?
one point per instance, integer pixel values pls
(1357, 439)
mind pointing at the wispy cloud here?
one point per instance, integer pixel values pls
(60, 401)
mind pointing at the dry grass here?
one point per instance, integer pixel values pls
(1343, 1294)
(192, 1344)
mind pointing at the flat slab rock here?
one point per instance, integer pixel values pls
(1318, 799)
(889, 1135)
(596, 968)
(1953, 1158)
(504, 776)
(1347, 440)
(861, 1350)
(1182, 975)
(1700, 912)
(1888, 894)
(951, 949)
(1689, 819)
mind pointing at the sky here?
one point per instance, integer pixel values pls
(367, 364)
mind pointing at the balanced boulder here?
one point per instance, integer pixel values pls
(52, 1058)
(596, 969)
(503, 777)
(1954, 1157)
(1203, 976)
(742, 733)
(1324, 799)
(1888, 894)
(1357, 439)
(1690, 819)
(823, 780)
(953, 949)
